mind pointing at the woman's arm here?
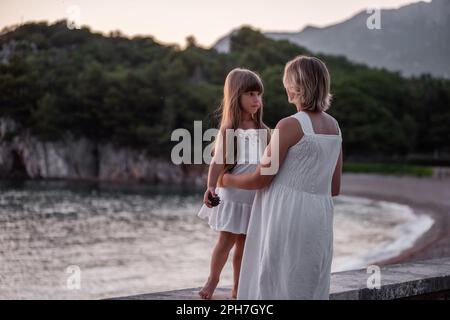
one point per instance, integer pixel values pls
(336, 181)
(286, 134)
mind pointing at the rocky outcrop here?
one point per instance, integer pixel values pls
(22, 155)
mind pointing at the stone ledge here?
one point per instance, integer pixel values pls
(429, 279)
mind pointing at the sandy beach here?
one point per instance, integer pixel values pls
(429, 196)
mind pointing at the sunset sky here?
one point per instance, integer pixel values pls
(171, 21)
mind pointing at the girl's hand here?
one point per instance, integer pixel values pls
(212, 191)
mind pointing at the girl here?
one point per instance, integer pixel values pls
(241, 111)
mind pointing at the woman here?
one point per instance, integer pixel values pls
(289, 246)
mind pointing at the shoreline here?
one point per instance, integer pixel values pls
(424, 196)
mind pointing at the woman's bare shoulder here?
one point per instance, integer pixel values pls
(333, 123)
(330, 117)
(288, 123)
(290, 129)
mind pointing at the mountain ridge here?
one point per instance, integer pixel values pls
(413, 39)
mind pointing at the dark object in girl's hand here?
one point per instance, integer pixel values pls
(214, 200)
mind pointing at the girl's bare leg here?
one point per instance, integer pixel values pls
(218, 260)
(237, 260)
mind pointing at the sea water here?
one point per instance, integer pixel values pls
(116, 240)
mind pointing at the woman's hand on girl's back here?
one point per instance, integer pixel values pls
(220, 180)
(223, 179)
(212, 191)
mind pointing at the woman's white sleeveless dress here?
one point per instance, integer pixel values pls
(289, 244)
(233, 212)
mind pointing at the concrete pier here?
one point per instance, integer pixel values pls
(429, 279)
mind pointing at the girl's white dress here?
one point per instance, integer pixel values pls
(289, 245)
(233, 212)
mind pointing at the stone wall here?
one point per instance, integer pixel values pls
(429, 279)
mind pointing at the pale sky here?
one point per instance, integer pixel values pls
(171, 21)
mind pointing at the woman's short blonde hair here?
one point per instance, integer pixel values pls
(308, 79)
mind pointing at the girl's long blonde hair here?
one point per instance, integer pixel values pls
(238, 82)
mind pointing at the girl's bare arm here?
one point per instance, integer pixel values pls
(215, 168)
